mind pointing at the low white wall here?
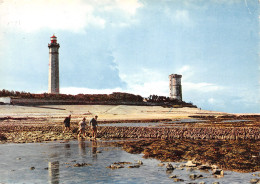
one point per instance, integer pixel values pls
(6, 100)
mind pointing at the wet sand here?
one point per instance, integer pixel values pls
(23, 124)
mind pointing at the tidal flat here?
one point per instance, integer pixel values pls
(224, 146)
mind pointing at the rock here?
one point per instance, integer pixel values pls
(214, 167)
(173, 176)
(219, 172)
(140, 162)
(169, 166)
(46, 168)
(215, 182)
(81, 165)
(115, 166)
(122, 163)
(195, 176)
(178, 180)
(32, 168)
(190, 164)
(161, 164)
(202, 182)
(189, 169)
(255, 181)
(204, 167)
(3, 137)
(134, 166)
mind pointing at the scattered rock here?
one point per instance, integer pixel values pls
(190, 164)
(32, 168)
(140, 162)
(255, 181)
(169, 167)
(202, 182)
(173, 176)
(115, 166)
(204, 167)
(3, 137)
(178, 180)
(81, 165)
(122, 163)
(195, 176)
(219, 172)
(214, 167)
(161, 164)
(134, 166)
(215, 182)
(189, 169)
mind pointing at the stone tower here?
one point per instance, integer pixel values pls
(53, 86)
(175, 87)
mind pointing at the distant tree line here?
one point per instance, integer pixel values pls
(114, 97)
(156, 98)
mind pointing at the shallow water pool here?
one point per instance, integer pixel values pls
(53, 163)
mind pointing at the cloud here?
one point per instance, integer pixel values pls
(203, 87)
(144, 83)
(59, 14)
(129, 6)
(179, 16)
(76, 90)
(29, 15)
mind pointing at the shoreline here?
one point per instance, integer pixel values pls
(227, 132)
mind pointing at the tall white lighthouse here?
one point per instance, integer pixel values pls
(175, 86)
(53, 85)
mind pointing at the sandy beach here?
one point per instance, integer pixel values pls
(105, 112)
(168, 134)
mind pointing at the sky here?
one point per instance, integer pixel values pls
(133, 46)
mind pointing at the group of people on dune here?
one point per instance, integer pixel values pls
(82, 126)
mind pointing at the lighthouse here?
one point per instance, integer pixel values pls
(53, 85)
(175, 86)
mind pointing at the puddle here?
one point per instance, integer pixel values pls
(53, 163)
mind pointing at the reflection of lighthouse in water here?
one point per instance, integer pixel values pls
(54, 172)
(53, 86)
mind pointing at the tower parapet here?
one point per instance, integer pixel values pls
(175, 86)
(53, 85)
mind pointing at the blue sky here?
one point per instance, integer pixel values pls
(134, 45)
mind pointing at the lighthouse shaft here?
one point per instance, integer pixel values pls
(53, 86)
(175, 87)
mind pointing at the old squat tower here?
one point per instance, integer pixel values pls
(53, 85)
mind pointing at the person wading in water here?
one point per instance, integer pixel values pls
(67, 123)
(93, 124)
(82, 128)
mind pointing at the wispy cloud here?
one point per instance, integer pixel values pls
(69, 15)
(203, 87)
(77, 90)
(179, 16)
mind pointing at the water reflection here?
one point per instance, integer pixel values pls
(54, 172)
(82, 148)
(94, 150)
(67, 150)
